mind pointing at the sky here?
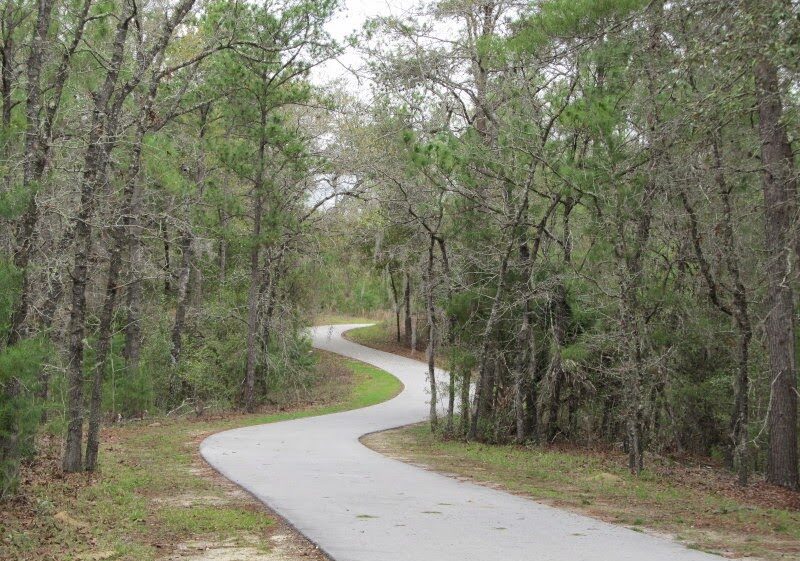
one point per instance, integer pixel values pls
(351, 17)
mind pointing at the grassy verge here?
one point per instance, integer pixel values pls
(698, 505)
(155, 498)
(335, 319)
(375, 334)
(382, 335)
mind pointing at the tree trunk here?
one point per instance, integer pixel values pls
(741, 414)
(185, 288)
(55, 294)
(83, 244)
(482, 390)
(255, 275)
(7, 63)
(560, 316)
(631, 253)
(520, 370)
(133, 326)
(407, 311)
(103, 348)
(252, 311)
(33, 168)
(38, 137)
(223, 248)
(267, 298)
(94, 177)
(779, 187)
(167, 266)
(740, 417)
(431, 336)
(129, 214)
(525, 347)
(395, 304)
(181, 306)
(466, 383)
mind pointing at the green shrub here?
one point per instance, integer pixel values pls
(20, 413)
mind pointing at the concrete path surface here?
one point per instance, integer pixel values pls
(358, 505)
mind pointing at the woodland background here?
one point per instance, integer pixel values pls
(587, 211)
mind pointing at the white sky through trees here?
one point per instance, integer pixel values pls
(349, 19)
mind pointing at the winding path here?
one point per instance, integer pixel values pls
(358, 505)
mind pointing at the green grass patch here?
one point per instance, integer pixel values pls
(371, 335)
(219, 521)
(370, 386)
(677, 501)
(339, 319)
(153, 492)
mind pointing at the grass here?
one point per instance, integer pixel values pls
(375, 334)
(337, 319)
(690, 504)
(153, 494)
(215, 520)
(382, 335)
(698, 504)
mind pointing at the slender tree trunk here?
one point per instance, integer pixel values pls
(395, 304)
(55, 294)
(7, 55)
(132, 223)
(252, 309)
(631, 253)
(255, 274)
(33, 168)
(532, 393)
(483, 389)
(740, 419)
(431, 352)
(128, 214)
(94, 177)
(560, 314)
(407, 311)
(451, 336)
(519, 378)
(167, 266)
(133, 326)
(181, 307)
(741, 413)
(556, 384)
(451, 402)
(83, 244)
(185, 287)
(103, 348)
(631, 275)
(466, 384)
(527, 346)
(223, 249)
(267, 298)
(780, 190)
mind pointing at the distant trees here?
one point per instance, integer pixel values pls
(616, 185)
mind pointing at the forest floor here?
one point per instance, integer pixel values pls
(693, 500)
(154, 496)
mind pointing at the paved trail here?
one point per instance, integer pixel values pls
(358, 505)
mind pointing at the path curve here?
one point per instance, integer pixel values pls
(358, 505)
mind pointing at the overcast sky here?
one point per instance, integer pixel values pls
(351, 17)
